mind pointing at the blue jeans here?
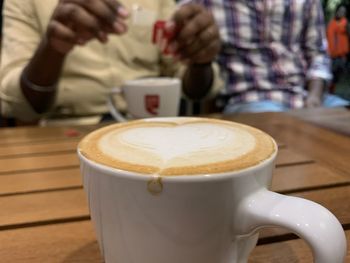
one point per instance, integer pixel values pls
(329, 101)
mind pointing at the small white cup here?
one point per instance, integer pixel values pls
(148, 97)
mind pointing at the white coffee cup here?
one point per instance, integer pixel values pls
(193, 218)
(147, 97)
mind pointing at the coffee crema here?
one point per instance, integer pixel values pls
(178, 146)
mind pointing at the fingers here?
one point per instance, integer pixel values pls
(61, 38)
(109, 13)
(61, 32)
(81, 22)
(206, 43)
(198, 40)
(115, 5)
(86, 19)
(204, 55)
(186, 12)
(193, 27)
(98, 9)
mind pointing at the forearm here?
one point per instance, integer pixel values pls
(197, 43)
(198, 80)
(316, 86)
(316, 89)
(44, 70)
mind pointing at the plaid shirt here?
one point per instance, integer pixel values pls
(270, 48)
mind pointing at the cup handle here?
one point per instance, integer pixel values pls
(309, 220)
(113, 109)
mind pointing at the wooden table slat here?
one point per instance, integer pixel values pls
(329, 148)
(75, 242)
(288, 251)
(49, 206)
(24, 164)
(61, 243)
(38, 207)
(40, 181)
(307, 176)
(286, 179)
(44, 208)
(337, 119)
(59, 160)
(287, 156)
(30, 134)
(52, 147)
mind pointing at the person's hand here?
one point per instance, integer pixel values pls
(197, 40)
(313, 101)
(315, 96)
(75, 22)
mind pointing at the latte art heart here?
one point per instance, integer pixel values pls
(198, 142)
(179, 146)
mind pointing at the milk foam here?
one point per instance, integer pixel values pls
(181, 145)
(178, 146)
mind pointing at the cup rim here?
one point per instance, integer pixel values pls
(138, 81)
(178, 178)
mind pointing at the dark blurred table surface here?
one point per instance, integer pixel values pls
(336, 119)
(44, 215)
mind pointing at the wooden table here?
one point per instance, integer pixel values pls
(44, 215)
(336, 119)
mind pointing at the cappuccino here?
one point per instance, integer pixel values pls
(178, 146)
(182, 193)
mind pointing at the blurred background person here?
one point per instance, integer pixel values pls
(273, 56)
(61, 58)
(338, 32)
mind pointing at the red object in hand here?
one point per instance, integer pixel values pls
(162, 37)
(158, 31)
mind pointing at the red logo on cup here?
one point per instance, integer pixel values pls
(152, 104)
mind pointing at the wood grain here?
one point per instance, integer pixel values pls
(289, 179)
(336, 119)
(32, 163)
(27, 163)
(286, 179)
(287, 251)
(324, 146)
(40, 186)
(39, 181)
(28, 135)
(61, 243)
(56, 205)
(321, 145)
(40, 207)
(75, 242)
(35, 134)
(287, 156)
(42, 148)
